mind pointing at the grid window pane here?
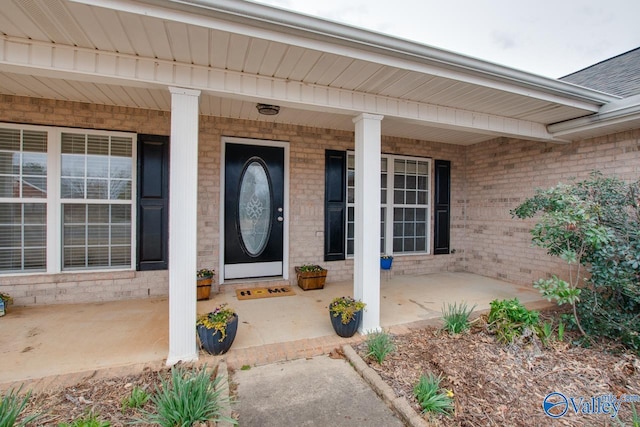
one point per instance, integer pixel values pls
(96, 167)
(23, 164)
(404, 184)
(120, 255)
(23, 237)
(96, 235)
(10, 139)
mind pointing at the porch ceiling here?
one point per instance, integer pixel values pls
(58, 49)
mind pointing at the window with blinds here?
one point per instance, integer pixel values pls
(95, 192)
(23, 196)
(66, 199)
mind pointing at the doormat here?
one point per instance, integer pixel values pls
(270, 292)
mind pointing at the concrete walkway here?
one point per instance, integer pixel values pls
(319, 391)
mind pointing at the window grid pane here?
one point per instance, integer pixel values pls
(404, 195)
(23, 164)
(96, 167)
(23, 237)
(96, 236)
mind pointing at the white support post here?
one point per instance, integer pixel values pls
(366, 286)
(183, 211)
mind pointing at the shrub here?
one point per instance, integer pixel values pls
(456, 317)
(137, 399)
(189, 396)
(509, 318)
(11, 406)
(594, 226)
(379, 345)
(90, 420)
(429, 396)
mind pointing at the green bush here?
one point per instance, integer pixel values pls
(11, 406)
(379, 345)
(136, 399)
(90, 420)
(509, 318)
(191, 395)
(456, 317)
(429, 396)
(594, 226)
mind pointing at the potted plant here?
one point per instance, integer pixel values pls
(386, 261)
(346, 315)
(311, 276)
(5, 300)
(217, 329)
(204, 278)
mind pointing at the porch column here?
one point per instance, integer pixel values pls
(366, 286)
(183, 201)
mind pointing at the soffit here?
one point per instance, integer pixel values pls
(71, 24)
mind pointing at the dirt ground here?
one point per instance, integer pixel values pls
(493, 384)
(498, 385)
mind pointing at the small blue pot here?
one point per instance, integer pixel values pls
(385, 263)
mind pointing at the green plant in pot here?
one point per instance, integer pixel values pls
(311, 276)
(204, 278)
(5, 300)
(217, 329)
(346, 315)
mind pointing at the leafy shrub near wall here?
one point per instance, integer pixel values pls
(594, 226)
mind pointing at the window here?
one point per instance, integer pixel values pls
(23, 192)
(73, 187)
(404, 211)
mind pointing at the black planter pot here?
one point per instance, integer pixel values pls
(210, 339)
(348, 330)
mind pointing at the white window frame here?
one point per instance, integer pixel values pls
(54, 202)
(389, 205)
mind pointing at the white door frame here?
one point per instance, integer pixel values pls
(285, 230)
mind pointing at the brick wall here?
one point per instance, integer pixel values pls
(487, 180)
(503, 173)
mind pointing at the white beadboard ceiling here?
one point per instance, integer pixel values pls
(53, 24)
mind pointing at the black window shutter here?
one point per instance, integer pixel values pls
(153, 203)
(442, 207)
(335, 205)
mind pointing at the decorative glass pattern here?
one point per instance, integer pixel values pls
(254, 208)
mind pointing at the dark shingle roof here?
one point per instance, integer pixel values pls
(619, 75)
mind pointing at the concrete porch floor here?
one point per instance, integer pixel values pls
(48, 342)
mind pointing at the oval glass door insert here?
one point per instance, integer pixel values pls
(254, 208)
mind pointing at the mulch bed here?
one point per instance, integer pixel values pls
(498, 385)
(102, 397)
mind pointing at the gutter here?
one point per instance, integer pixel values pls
(614, 113)
(267, 17)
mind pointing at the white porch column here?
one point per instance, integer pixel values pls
(183, 210)
(366, 268)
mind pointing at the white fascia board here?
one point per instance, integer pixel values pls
(38, 58)
(269, 23)
(613, 114)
